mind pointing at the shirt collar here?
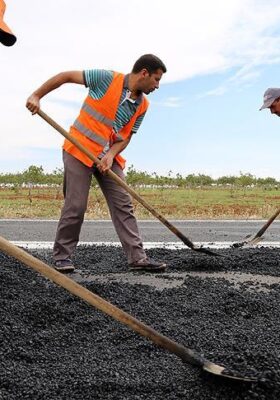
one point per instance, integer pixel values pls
(125, 86)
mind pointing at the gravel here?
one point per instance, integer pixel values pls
(55, 346)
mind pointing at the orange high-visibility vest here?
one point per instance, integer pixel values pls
(94, 126)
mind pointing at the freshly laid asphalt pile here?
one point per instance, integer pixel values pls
(55, 346)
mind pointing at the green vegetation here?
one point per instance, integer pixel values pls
(35, 175)
(35, 194)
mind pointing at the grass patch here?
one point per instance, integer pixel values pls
(180, 203)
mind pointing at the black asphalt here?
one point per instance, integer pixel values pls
(55, 346)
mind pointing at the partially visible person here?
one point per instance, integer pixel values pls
(7, 38)
(110, 115)
(271, 100)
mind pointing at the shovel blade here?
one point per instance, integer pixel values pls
(253, 241)
(247, 242)
(206, 251)
(222, 372)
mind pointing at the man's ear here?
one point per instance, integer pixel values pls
(144, 72)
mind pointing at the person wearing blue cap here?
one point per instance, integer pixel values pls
(271, 100)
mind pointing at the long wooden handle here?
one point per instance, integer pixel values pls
(184, 353)
(117, 179)
(267, 224)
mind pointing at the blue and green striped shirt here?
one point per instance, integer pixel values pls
(98, 81)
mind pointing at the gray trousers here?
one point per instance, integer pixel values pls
(76, 185)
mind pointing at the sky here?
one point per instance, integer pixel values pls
(220, 55)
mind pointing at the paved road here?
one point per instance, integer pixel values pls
(151, 231)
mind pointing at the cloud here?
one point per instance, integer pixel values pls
(244, 77)
(192, 38)
(169, 102)
(218, 91)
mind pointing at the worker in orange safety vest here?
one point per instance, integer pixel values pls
(111, 113)
(7, 38)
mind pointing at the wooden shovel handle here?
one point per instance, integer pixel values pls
(117, 179)
(267, 224)
(185, 354)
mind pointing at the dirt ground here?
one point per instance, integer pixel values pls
(55, 346)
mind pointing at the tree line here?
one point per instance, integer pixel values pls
(35, 175)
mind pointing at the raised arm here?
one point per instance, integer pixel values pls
(33, 101)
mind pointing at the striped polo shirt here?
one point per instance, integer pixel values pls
(98, 81)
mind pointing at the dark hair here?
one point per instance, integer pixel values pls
(150, 62)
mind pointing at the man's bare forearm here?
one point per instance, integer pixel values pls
(33, 101)
(58, 80)
(48, 86)
(118, 147)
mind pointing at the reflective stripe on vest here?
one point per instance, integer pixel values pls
(90, 134)
(99, 117)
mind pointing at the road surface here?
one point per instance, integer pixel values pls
(209, 231)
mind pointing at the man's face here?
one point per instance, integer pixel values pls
(275, 107)
(150, 82)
